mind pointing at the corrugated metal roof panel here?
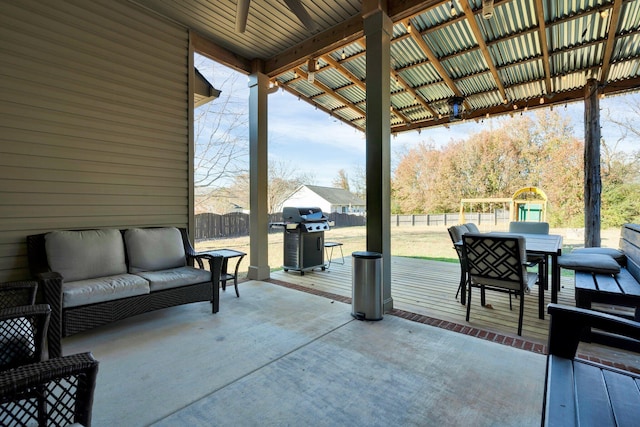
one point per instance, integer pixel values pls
(450, 39)
(331, 77)
(627, 47)
(435, 92)
(402, 100)
(475, 84)
(421, 75)
(353, 93)
(523, 72)
(530, 93)
(624, 70)
(357, 66)
(515, 49)
(466, 64)
(406, 52)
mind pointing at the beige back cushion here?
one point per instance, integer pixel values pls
(86, 254)
(153, 249)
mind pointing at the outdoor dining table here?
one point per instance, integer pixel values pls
(547, 246)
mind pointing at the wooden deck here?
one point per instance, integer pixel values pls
(429, 288)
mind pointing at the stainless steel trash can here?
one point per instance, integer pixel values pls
(366, 293)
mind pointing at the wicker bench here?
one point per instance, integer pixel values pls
(578, 392)
(93, 277)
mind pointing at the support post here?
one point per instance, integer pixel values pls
(377, 30)
(258, 171)
(592, 178)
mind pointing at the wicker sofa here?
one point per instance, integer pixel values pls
(94, 277)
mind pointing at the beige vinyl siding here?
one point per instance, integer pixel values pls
(94, 121)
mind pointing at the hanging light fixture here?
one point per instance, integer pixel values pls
(453, 10)
(311, 70)
(455, 108)
(487, 9)
(344, 55)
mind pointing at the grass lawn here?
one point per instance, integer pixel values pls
(428, 242)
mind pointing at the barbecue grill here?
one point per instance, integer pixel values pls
(303, 238)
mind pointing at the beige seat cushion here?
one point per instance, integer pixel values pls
(86, 254)
(108, 288)
(175, 277)
(154, 249)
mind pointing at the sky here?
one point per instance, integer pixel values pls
(313, 142)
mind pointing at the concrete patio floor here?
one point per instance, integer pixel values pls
(277, 356)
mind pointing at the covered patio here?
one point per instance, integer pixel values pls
(97, 132)
(309, 364)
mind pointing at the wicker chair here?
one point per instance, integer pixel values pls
(23, 330)
(56, 392)
(13, 294)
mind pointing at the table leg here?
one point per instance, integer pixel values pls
(555, 278)
(223, 274)
(543, 283)
(235, 276)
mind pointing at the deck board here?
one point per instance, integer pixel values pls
(429, 287)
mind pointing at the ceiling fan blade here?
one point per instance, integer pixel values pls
(298, 9)
(242, 13)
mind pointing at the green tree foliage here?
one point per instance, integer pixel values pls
(525, 151)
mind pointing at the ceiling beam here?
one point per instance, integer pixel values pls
(483, 46)
(207, 48)
(318, 45)
(611, 41)
(544, 46)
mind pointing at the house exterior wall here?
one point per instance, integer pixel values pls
(304, 197)
(94, 121)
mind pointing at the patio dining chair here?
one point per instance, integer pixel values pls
(525, 227)
(496, 262)
(456, 232)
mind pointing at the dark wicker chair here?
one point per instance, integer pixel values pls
(23, 330)
(13, 294)
(56, 392)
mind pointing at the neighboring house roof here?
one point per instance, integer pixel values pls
(336, 196)
(203, 91)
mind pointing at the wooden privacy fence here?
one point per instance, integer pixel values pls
(214, 226)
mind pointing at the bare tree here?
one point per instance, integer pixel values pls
(221, 133)
(284, 179)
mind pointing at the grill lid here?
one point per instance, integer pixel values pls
(302, 214)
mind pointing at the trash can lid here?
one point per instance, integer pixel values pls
(367, 254)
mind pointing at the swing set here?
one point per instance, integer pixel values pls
(526, 204)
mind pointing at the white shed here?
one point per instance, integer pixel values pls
(328, 199)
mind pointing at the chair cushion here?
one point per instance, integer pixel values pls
(86, 254)
(175, 277)
(616, 254)
(152, 249)
(108, 288)
(591, 263)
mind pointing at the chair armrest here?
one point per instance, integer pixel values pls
(58, 391)
(568, 323)
(51, 285)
